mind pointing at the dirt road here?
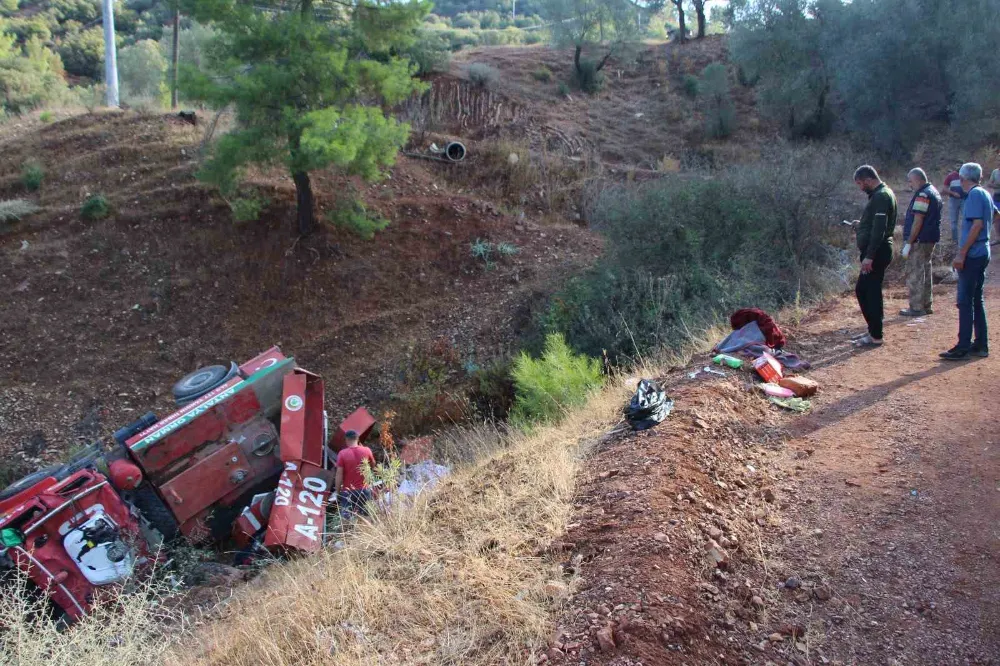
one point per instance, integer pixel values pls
(900, 469)
(866, 532)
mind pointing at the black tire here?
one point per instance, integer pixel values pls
(196, 384)
(155, 511)
(58, 471)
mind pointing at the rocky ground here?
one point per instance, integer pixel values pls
(864, 532)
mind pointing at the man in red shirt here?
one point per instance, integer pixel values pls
(352, 490)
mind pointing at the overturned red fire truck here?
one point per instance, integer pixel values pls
(246, 455)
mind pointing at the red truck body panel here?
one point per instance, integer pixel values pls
(189, 456)
(360, 421)
(298, 514)
(46, 518)
(205, 482)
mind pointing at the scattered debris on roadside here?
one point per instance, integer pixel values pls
(648, 407)
(757, 337)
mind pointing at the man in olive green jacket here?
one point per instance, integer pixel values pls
(874, 235)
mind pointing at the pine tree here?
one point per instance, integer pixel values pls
(308, 84)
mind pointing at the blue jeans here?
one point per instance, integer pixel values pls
(955, 207)
(971, 310)
(354, 503)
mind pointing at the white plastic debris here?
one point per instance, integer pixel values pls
(422, 476)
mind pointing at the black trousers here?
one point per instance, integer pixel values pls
(869, 290)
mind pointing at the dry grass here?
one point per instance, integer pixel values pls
(511, 172)
(130, 626)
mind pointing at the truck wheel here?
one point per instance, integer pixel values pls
(33, 478)
(154, 510)
(201, 381)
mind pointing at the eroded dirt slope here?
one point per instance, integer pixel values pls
(862, 533)
(641, 115)
(98, 319)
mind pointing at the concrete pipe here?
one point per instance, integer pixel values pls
(454, 151)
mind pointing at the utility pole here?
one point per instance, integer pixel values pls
(110, 54)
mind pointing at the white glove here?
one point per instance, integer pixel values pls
(906, 251)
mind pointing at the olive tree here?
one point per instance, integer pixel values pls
(596, 26)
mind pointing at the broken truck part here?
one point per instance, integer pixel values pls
(246, 456)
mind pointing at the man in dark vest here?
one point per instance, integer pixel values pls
(921, 232)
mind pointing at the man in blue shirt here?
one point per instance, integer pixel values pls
(921, 232)
(971, 261)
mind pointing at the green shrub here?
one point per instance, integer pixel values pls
(45, 117)
(493, 390)
(427, 397)
(435, 19)
(543, 74)
(194, 43)
(83, 52)
(546, 387)
(30, 76)
(142, 73)
(528, 21)
(746, 79)
(483, 75)
(682, 253)
(507, 249)
(82, 11)
(25, 28)
(690, 85)
(485, 252)
(587, 77)
(504, 37)
(247, 209)
(481, 250)
(465, 21)
(354, 217)
(489, 20)
(425, 409)
(91, 97)
(32, 175)
(431, 52)
(534, 37)
(563, 88)
(720, 121)
(95, 208)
